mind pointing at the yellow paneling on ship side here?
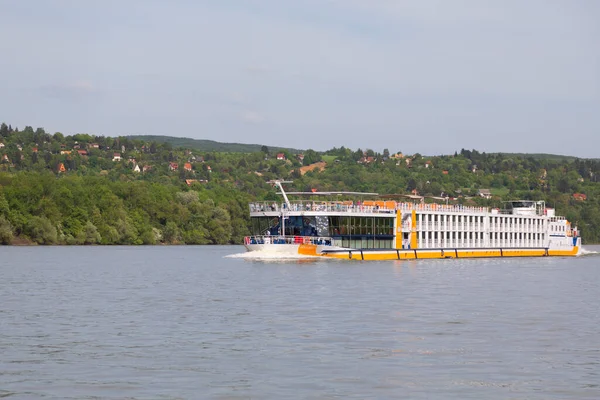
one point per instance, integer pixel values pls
(307, 249)
(448, 253)
(399, 234)
(413, 233)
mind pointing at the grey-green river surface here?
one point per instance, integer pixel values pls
(188, 322)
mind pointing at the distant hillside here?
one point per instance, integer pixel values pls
(209, 145)
(539, 156)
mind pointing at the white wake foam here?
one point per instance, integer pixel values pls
(584, 252)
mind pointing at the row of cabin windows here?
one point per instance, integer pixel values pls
(451, 235)
(517, 236)
(476, 239)
(479, 219)
(517, 221)
(450, 218)
(479, 235)
(558, 228)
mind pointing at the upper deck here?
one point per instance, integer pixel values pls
(366, 207)
(378, 207)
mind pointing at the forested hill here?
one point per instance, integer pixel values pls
(207, 145)
(85, 189)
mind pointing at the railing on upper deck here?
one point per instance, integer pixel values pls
(266, 239)
(329, 207)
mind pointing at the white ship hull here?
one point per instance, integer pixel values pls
(384, 230)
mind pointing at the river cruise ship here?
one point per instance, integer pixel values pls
(392, 230)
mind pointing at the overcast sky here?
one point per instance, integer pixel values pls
(428, 76)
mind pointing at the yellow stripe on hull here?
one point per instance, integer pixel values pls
(448, 253)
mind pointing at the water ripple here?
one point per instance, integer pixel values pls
(189, 322)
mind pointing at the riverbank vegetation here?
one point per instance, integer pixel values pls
(85, 189)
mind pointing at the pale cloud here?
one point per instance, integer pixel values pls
(251, 117)
(70, 90)
(428, 76)
(237, 98)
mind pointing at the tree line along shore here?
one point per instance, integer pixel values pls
(88, 189)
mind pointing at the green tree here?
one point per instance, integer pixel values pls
(6, 231)
(41, 230)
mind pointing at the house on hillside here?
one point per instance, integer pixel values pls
(136, 168)
(173, 166)
(281, 156)
(5, 158)
(146, 168)
(61, 168)
(63, 152)
(82, 153)
(116, 157)
(1, 145)
(579, 196)
(187, 166)
(485, 193)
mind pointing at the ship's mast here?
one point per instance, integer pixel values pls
(278, 183)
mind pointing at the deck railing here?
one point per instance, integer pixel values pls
(276, 239)
(328, 207)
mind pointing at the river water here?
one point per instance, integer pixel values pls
(207, 323)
